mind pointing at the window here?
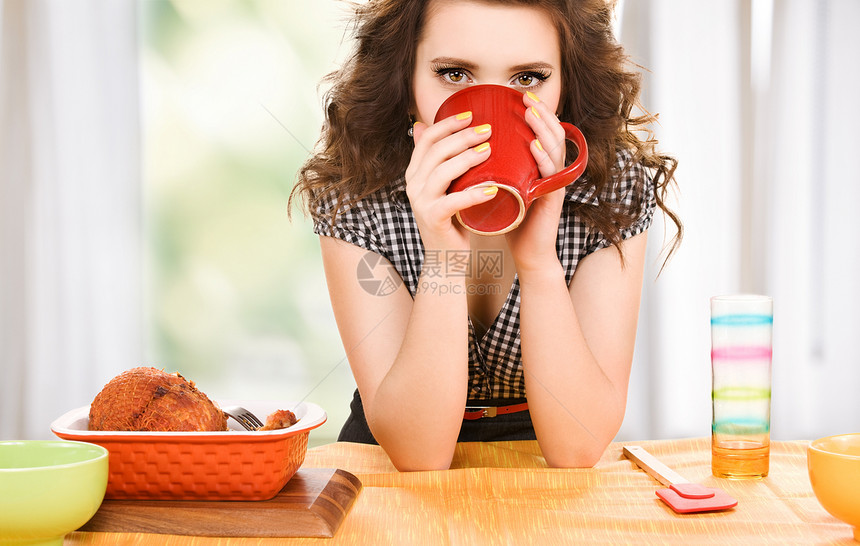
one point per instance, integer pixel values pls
(236, 295)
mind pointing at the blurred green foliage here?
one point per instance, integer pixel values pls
(230, 109)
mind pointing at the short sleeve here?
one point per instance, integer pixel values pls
(634, 194)
(351, 223)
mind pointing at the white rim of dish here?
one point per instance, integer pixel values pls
(309, 414)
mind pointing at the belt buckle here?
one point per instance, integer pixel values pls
(486, 411)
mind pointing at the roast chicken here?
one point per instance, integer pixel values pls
(148, 399)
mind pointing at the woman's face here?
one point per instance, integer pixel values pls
(465, 43)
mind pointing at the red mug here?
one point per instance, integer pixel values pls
(511, 166)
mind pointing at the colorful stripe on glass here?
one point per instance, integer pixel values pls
(742, 353)
(742, 320)
(741, 394)
(741, 426)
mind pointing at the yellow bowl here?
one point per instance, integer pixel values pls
(49, 488)
(834, 471)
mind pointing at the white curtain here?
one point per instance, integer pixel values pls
(756, 99)
(70, 206)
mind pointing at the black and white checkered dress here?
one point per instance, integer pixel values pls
(383, 223)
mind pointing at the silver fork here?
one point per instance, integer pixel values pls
(243, 417)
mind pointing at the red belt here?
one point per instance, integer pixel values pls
(480, 412)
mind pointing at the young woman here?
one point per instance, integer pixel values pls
(537, 325)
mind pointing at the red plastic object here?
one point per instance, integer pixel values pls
(230, 465)
(705, 499)
(682, 496)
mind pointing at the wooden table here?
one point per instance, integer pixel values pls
(503, 493)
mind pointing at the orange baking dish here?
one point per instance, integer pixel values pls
(230, 465)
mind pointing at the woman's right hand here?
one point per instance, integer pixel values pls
(443, 151)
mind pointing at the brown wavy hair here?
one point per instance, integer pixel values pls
(364, 146)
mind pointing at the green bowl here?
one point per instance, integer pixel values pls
(49, 488)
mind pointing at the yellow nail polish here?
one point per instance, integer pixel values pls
(483, 147)
(481, 129)
(491, 190)
(464, 115)
(532, 96)
(535, 112)
(539, 145)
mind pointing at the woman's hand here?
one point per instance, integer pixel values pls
(533, 242)
(444, 151)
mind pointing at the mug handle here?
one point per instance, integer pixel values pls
(570, 173)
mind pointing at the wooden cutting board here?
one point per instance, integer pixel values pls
(312, 504)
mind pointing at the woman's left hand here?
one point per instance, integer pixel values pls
(533, 242)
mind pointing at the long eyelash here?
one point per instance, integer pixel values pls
(540, 75)
(440, 68)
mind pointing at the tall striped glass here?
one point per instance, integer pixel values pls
(741, 349)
